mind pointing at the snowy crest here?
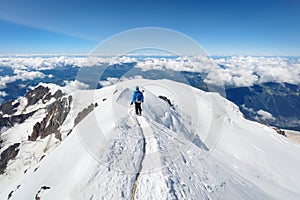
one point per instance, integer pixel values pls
(182, 118)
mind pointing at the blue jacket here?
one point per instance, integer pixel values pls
(133, 99)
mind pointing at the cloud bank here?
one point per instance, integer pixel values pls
(235, 71)
(265, 115)
(112, 81)
(72, 86)
(20, 75)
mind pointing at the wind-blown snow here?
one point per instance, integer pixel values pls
(168, 153)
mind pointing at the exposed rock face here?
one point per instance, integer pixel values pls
(279, 131)
(9, 107)
(7, 122)
(84, 113)
(56, 115)
(56, 95)
(38, 93)
(166, 100)
(57, 112)
(42, 188)
(1, 141)
(41, 93)
(8, 154)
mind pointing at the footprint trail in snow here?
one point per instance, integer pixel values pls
(149, 174)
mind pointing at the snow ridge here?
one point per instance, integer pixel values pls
(164, 154)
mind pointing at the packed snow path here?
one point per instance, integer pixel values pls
(149, 162)
(135, 121)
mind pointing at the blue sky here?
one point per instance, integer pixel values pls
(228, 27)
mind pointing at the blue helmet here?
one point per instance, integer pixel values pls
(137, 87)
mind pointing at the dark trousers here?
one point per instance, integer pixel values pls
(138, 108)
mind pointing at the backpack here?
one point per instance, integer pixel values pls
(139, 97)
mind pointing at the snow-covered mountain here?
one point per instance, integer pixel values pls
(188, 144)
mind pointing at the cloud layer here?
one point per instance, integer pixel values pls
(20, 75)
(233, 71)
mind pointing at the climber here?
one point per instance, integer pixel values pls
(137, 99)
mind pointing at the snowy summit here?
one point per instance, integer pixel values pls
(188, 144)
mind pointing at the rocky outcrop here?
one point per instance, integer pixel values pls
(166, 100)
(37, 94)
(56, 95)
(7, 122)
(279, 131)
(1, 141)
(8, 154)
(9, 107)
(41, 93)
(81, 115)
(56, 115)
(41, 189)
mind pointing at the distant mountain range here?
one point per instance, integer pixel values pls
(282, 101)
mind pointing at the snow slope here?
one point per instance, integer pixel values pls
(199, 148)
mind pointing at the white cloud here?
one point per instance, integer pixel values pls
(112, 81)
(265, 115)
(20, 75)
(50, 62)
(6, 79)
(3, 94)
(246, 71)
(260, 114)
(235, 70)
(72, 86)
(28, 75)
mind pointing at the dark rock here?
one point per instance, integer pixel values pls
(69, 132)
(43, 156)
(36, 94)
(1, 141)
(35, 132)
(41, 93)
(57, 113)
(42, 188)
(45, 188)
(58, 94)
(8, 154)
(279, 131)
(166, 100)
(33, 96)
(9, 108)
(12, 120)
(81, 115)
(10, 194)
